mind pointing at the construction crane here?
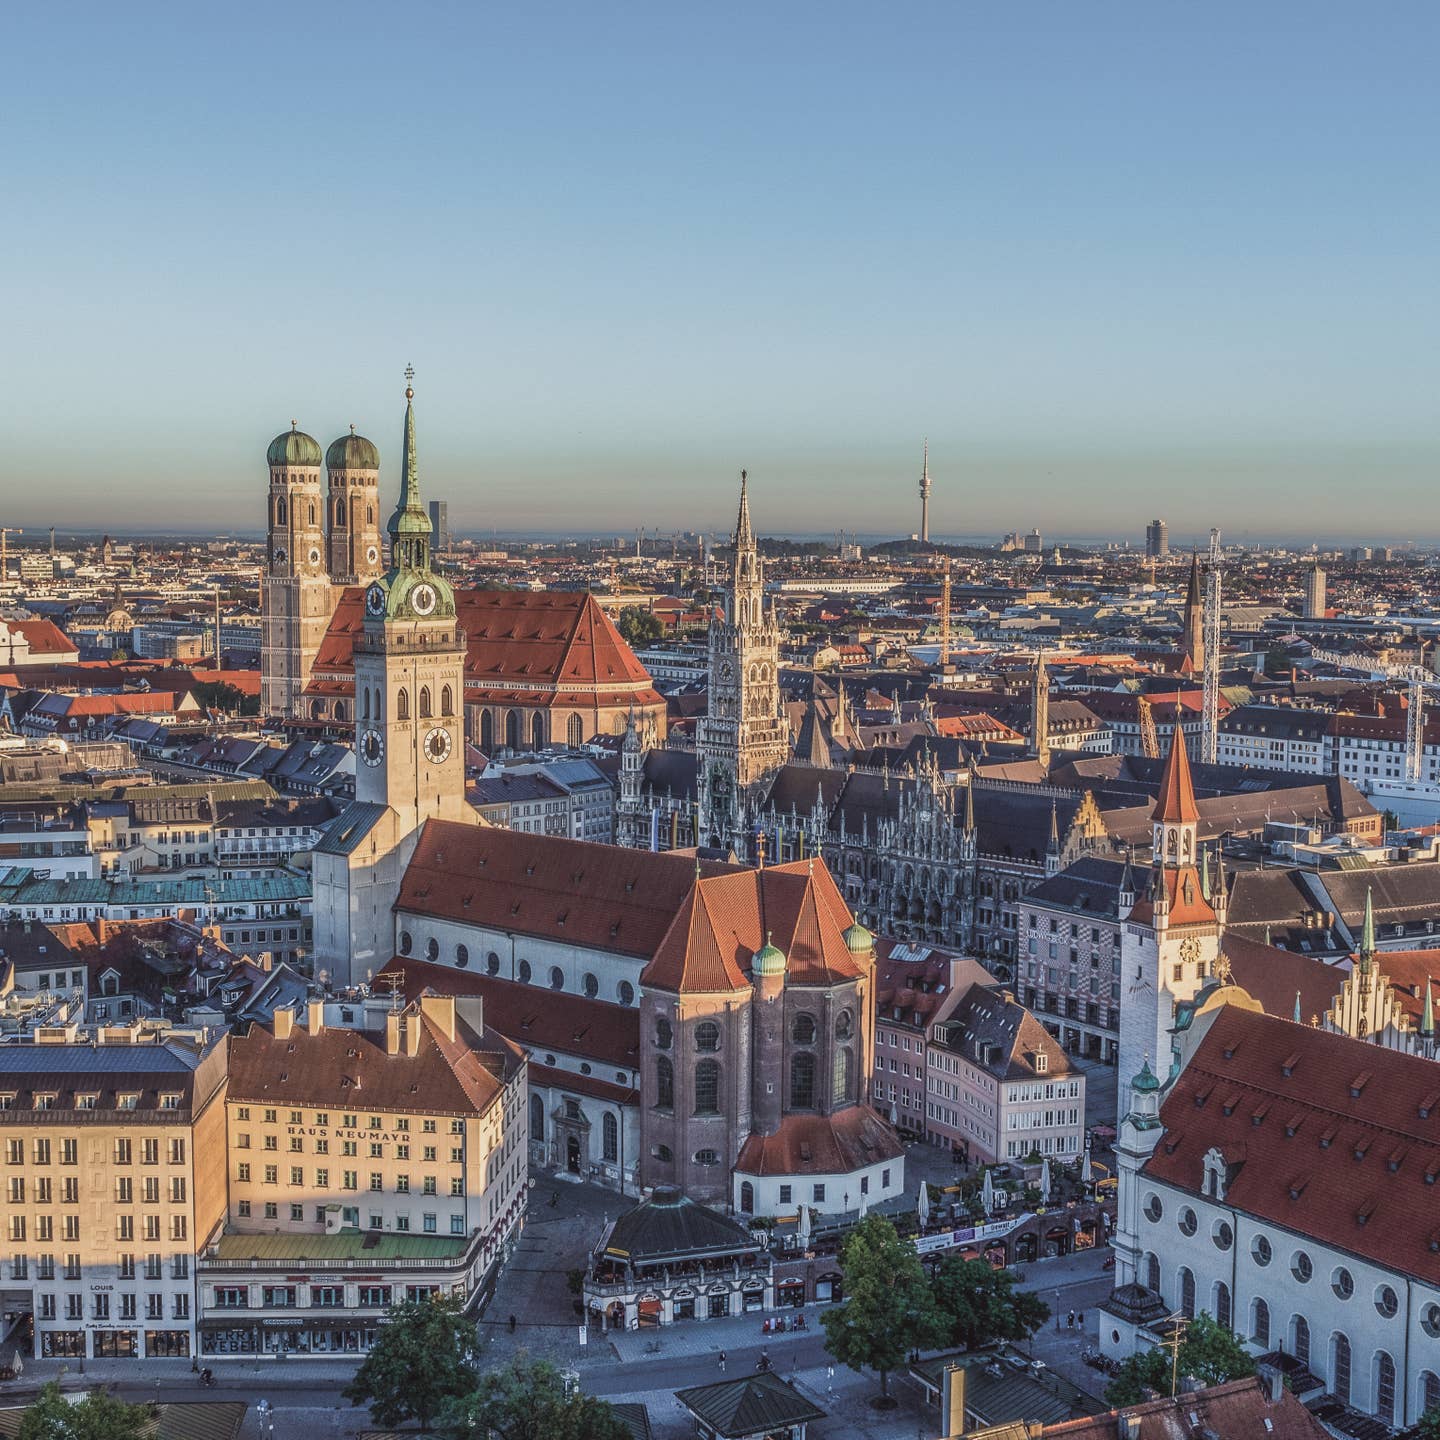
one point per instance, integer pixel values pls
(6, 531)
(1210, 633)
(1416, 678)
(1149, 738)
(945, 616)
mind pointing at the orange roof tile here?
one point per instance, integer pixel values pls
(1176, 803)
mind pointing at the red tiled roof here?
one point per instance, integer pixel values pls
(1274, 977)
(1236, 1408)
(1188, 905)
(601, 896)
(448, 1076)
(716, 934)
(532, 1017)
(820, 1144)
(44, 637)
(1326, 1136)
(524, 647)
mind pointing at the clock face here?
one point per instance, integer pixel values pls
(314, 555)
(372, 747)
(727, 670)
(375, 600)
(437, 745)
(1189, 950)
(422, 599)
(372, 554)
(281, 555)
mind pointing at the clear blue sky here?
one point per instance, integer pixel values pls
(1115, 259)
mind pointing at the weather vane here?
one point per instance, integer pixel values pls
(409, 382)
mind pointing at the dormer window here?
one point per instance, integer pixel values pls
(170, 1102)
(86, 1102)
(44, 1102)
(129, 1101)
(1042, 1063)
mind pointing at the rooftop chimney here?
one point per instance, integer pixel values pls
(392, 1033)
(412, 1032)
(284, 1021)
(441, 1011)
(315, 1019)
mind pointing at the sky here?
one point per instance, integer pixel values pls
(1115, 260)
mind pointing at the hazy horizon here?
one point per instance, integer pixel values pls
(1114, 263)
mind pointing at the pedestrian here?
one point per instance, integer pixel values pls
(512, 1324)
(722, 1362)
(554, 1198)
(1081, 1321)
(1070, 1321)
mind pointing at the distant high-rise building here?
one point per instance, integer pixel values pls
(925, 497)
(440, 523)
(1032, 543)
(1315, 594)
(1157, 540)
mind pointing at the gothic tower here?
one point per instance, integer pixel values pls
(1040, 712)
(296, 598)
(409, 672)
(353, 509)
(1170, 943)
(743, 736)
(1192, 632)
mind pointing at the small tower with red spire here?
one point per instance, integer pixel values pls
(1170, 943)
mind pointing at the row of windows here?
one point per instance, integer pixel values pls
(349, 1180)
(348, 1148)
(67, 1151)
(17, 1227)
(524, 971)
(707, 1076)
(124, 1263)
(42, 1190)
(270, 1209)
(270, 1116)
(125, 1308)
(402, 703)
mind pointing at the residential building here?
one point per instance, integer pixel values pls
(114, 1151)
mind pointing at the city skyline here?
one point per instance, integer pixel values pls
(1111, 265)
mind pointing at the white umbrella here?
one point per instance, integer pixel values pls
(864, 1204)
(1045, 1179)
(1087, 1175)
(987, 1193)
(922, 1205)
(803, 1229)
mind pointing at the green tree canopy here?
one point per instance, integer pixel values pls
(1428, 1426)
(979, 1305)
(638, 626)
(1209, 1352)
(528, 1401)
(96, 1417)
(422, 1356)
(888, 1309)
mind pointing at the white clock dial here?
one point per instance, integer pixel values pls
(422, 599)
(314, 555)
(372, 747)
(437, 745)
(375, 600)
(372, 554)
(280, 555)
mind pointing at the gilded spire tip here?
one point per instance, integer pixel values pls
(409, 382)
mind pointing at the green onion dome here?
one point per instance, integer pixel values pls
(294, 447)
(769, 959)
(352, 452)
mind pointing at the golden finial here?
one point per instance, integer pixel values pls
(294, 424)
(409, 382)
(352, 427)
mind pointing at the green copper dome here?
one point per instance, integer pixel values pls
(294, 447)
(1145, 1080)
(858, 940)
(352, 452)
(769, 959)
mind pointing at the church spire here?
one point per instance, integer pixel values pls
(410, 524)
(1427, 1018)
(744, 535)
(1176, 802)
(1367, 932)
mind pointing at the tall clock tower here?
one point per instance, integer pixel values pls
(743, 737)
(1170, 942)
(409, 742)
(410, 671)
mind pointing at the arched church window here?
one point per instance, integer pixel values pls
(537, 1118)
(340, 512)
(537, 731)
(279, 509)
(425, 702)
(1260, 1324)
(492, 963)
(843, 1025)
(432, 949)
(366, 702)
(340, 710)
(1172, 843)
(402, 704)
(664, 1083)
(523, 971)
(1300, 1339)
(1187, 1292)
(1340, 1366)
(574, 732)
(406, 943)
(663, 1033)
(512, 729)
(802, 1029)
(802, 1080)
(462, 956)
(1384, 1388)
(609, 1138)
(840, 1091)
(487, 731)
(312, 512)
(370, 515)
(747, 1198)
(707, 1036)
(447, 701)
(707, 1087)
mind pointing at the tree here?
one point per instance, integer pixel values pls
(888, 1310)
(528, 1401)
(1428, 1426)
(421, 1358)
(96, 1417)
(1209, 1352)
(979, 1305)
(637, 626)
